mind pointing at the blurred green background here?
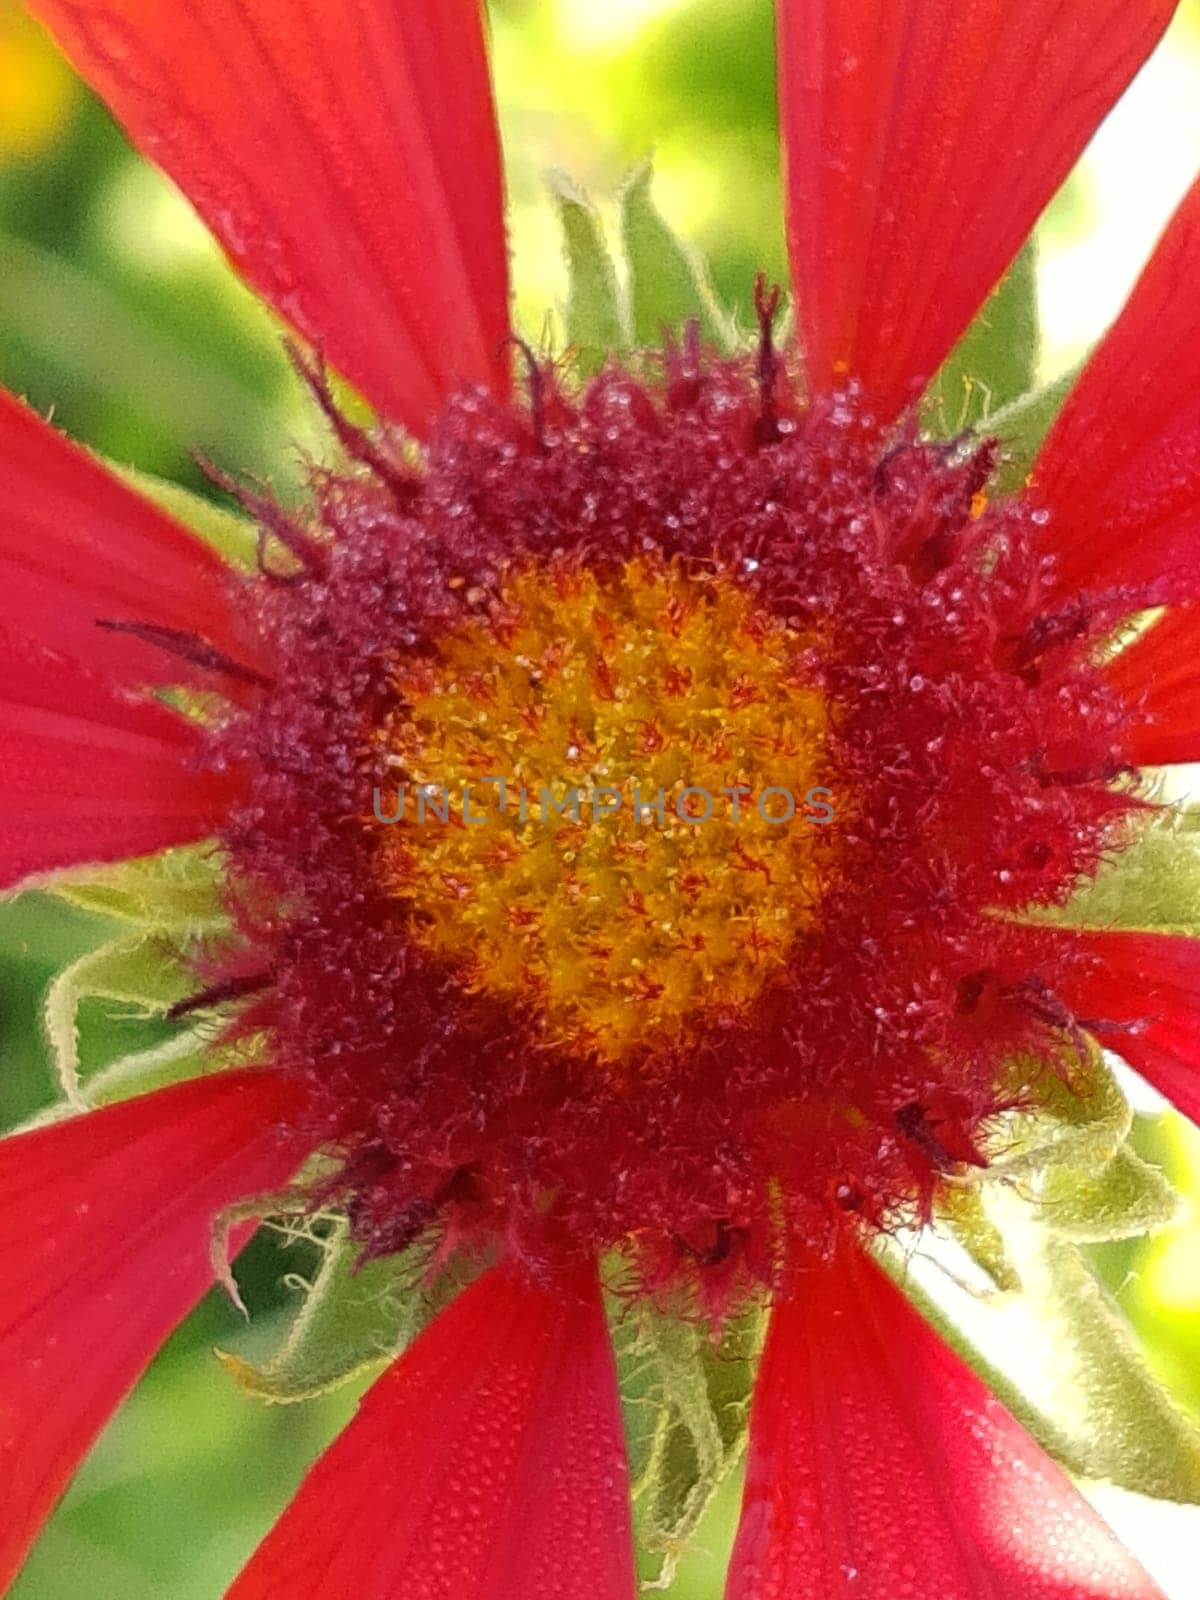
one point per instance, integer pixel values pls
(117, 311)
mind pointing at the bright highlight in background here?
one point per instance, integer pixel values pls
(608, 24)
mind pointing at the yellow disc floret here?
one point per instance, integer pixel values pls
(600, 809)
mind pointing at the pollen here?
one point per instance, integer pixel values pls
(603, 808)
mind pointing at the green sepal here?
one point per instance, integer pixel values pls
(233, 537)
(596, 320)
(353, 1317)
(1064, 1360)
(141, 969)
(1082, 1118)
(962, 1211)
(176, 1060)
(172, 904)
(176, 890)
(1123, 1200)
(187, 1055)
(1151, 886)
(995, 362)
(668, 282)
(687, 1413)
(1022, 426)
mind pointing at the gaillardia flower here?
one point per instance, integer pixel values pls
(650, 810)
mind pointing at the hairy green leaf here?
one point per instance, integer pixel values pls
(1022, 426)
(174, 1061)
(668, 282)
(1123, 1200)
(1063, 1358)
(177, 890)
(232, 536)
(596, 321)
(352, 1318)
(142, 970)
(687, 1402)
(995, 362)
(963, 1212)
(1152, 886)
(1082, 1119)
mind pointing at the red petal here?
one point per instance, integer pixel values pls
(90, 775)
(882, 1469)
(1140, 994)
(1121, 467)
(77, 547)
(1160, 675)
(487, 1464)
(922, 140)
(344, 152)
(106, 1248)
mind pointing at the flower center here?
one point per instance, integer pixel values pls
(604, 807)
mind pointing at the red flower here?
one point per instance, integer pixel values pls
(700, 1041)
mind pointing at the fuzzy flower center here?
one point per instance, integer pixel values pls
(604, 809)
(646, 813)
